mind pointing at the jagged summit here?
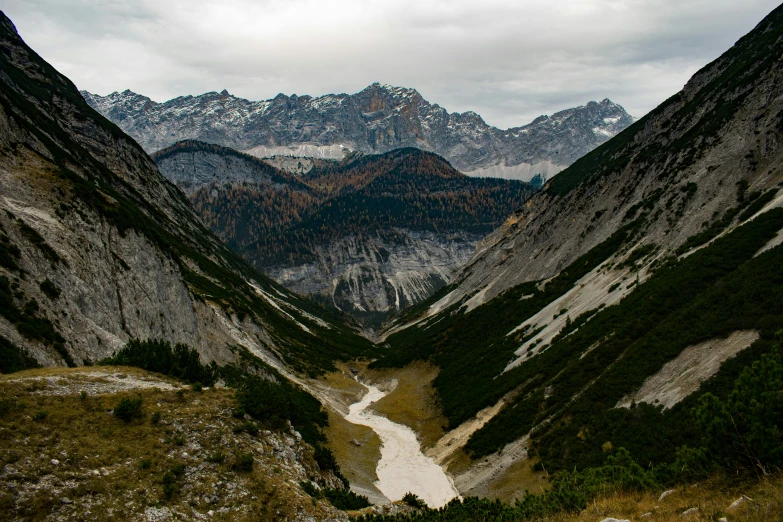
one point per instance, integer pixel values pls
(377, 119)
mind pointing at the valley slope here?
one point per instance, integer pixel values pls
(98, 248)
(378, 119)
(653, 254)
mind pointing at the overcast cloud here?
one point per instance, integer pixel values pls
(507, 60)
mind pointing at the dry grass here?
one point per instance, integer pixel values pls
(512, 483)
(64, 456)
(711, 498)
(357, 461)
(413, 402)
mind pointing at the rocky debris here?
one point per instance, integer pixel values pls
(94, 381)
(377, 119)
(689, 512)
(665, 494)
(737, 503)
(610, 519)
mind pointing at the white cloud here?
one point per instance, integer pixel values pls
(506, 60)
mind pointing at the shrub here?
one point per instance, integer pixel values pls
(155, 355)
(266, 401)
(342, 498)
(40, 415)
(744, 430)
(250, 427)
(128, 409)
(155, 417)
(345, 499)
(413, 500)
(243, 462)
(170, 486)
(325, 459)
(14, 358)
(49, 288)
(216, 458)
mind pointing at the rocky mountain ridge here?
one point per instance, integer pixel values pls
(377, 119)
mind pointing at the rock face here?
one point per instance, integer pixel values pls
(380, 118)
(370, 235)
(97, 247)
(380, 273)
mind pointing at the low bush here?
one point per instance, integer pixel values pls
(50, 289)
(216, 458)
(413, 500)
(243, 462)
(128, 408)
(342, 498)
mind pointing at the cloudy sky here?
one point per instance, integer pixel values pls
(508, 60)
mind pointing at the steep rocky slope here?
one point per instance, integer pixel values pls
(656, 252)
(97, 247)
(377, 119)
(369, 235)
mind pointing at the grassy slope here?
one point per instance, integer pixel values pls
(52, 460)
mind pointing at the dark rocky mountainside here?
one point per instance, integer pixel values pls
(369, 235)
(643, 276)
(96, 247)
(378, 119)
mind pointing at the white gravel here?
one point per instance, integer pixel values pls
(403, 467)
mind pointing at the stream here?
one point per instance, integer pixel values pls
(403, 467)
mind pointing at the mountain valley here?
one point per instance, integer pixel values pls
(607, 347)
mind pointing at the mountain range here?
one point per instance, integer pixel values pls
(378, 119)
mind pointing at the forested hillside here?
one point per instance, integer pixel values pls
(362, 221)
